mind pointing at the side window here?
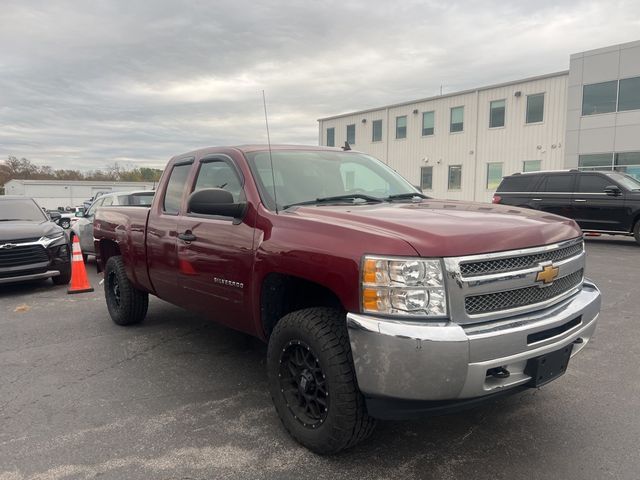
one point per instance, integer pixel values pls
(558, 184)
(108, 201)
(219, 174)
(518, 183)
(175, 188)
(592, 183)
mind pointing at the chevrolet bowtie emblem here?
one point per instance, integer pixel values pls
(548, 274)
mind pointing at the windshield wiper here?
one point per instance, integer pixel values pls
(405, 196)
(337, 198)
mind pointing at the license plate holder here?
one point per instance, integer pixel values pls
(548, 367)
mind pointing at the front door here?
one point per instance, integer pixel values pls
(85, 227)
(594, 209)
(215, 254)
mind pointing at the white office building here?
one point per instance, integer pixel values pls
(459, 145)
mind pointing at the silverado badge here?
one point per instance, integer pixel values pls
(548, 274)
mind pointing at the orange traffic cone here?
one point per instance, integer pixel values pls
(79, 279)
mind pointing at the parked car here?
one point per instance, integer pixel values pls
(375, 300)
(82, 226)
(32, 247)
(606, 202)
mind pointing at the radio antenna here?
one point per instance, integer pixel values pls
(273, 175)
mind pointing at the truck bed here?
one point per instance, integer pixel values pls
(126, 227)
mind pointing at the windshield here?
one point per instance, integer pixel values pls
(20, 209)
(306, 175)
(626, 181)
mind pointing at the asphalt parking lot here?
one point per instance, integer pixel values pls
(182, 398)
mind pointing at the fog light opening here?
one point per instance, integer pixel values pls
(498, 372)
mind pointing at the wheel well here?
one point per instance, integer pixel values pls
(107, 249)
(283, 294)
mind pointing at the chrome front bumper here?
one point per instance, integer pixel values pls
(412, 360)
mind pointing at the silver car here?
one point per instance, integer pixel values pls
(82, 227)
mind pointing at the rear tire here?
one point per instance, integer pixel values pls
(65, 223)
(126, 304)
(636, 232)
(313, 382)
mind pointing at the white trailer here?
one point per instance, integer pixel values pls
(52, 194)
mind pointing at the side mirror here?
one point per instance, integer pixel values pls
(612, 190)
(215, 201)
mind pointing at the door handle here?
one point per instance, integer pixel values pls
(579, 200)
(187, 236)
(536, 199)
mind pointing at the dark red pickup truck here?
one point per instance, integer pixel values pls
(376, 301)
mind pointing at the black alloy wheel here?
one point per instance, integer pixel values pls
(303, 384)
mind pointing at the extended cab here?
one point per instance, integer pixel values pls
(376, 301)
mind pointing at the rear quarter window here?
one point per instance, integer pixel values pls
(175, 188)
(518, 183)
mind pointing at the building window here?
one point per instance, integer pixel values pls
(494, 175)
(351, 134)
(629, 94)
(496, 113)
(376, 135)
(331, 137)
(401, 127)
(629, 163)
(457, 119)
(428, 121)
(599, 98)
(596, 161)
(623, 162)
(426, 178)
(531, 165)
(535, 108)
(455, 177)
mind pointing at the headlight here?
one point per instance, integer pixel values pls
(51, 237)
(403, 286)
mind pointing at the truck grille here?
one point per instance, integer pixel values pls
(510, 264)
(23, 255)
(498, 301)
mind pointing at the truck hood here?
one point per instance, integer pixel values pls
(449, 228)
(23, 230)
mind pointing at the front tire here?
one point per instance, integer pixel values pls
(313, 382)
(65, 223)
(636, 232)
(126, 304)
(65, 276)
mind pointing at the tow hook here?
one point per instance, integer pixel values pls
(498, 372)
(578, 340)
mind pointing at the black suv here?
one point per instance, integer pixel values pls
(32, 247)
(607, 202)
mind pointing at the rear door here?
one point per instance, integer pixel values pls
(594, 209)
(162, 233)
(555, 194)
(216, 264)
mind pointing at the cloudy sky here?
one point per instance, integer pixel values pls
(87, 83)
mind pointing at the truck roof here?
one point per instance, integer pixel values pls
(254, 148)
